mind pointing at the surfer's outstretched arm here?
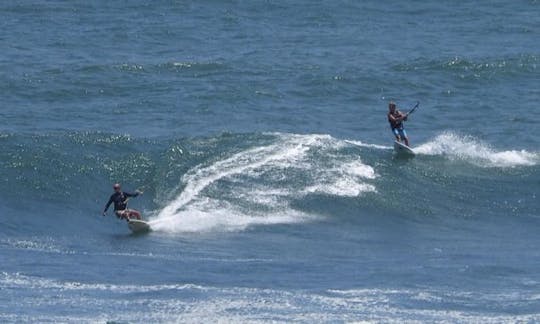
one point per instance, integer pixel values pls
(132, 194)
(107, 205)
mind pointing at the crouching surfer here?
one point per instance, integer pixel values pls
(396, 119)
(120, 199)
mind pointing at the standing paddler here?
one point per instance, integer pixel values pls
(396, 119)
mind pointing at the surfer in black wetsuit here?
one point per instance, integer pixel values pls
(396, 118)
(120, 198)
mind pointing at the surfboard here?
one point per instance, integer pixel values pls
(402, 149)
(138, 226)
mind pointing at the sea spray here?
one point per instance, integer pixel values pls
(258, 186)
(470, 149)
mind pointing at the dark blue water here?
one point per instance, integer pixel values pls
(258, 134)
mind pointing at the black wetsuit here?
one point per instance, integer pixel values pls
(119, 200)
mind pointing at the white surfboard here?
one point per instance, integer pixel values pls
(402, 149)
(138, 226)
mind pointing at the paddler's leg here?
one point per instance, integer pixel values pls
(404, 136)
(396, 133)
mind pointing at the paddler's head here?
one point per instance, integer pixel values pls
(392, 106)
(117, 187)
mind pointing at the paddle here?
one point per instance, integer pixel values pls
(413, 109)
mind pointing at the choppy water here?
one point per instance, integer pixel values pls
(258, 134)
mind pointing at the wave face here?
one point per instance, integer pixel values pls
(232, 182)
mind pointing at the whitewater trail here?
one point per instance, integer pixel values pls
(255, 188)
(472, 150)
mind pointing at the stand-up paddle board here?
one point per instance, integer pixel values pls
(402, 149)
(138, 226)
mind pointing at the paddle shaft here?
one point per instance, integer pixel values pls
(413, 109)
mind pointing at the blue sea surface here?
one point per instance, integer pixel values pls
(258, 133)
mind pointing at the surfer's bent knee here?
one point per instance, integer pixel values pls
(122, 213)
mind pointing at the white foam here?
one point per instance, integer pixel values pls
(358, 169)
(259, 177)
(47, 245)
(362, 144)
(472, 150)
(205, 215)
(344, 180)
(18, 280)
(196, 303)
(200, 178)
(341, 187)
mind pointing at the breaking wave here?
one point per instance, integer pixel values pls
(258, 185)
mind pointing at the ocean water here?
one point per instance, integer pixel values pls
(257, 131)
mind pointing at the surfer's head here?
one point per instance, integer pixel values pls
(116, 187)
(392, 106)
